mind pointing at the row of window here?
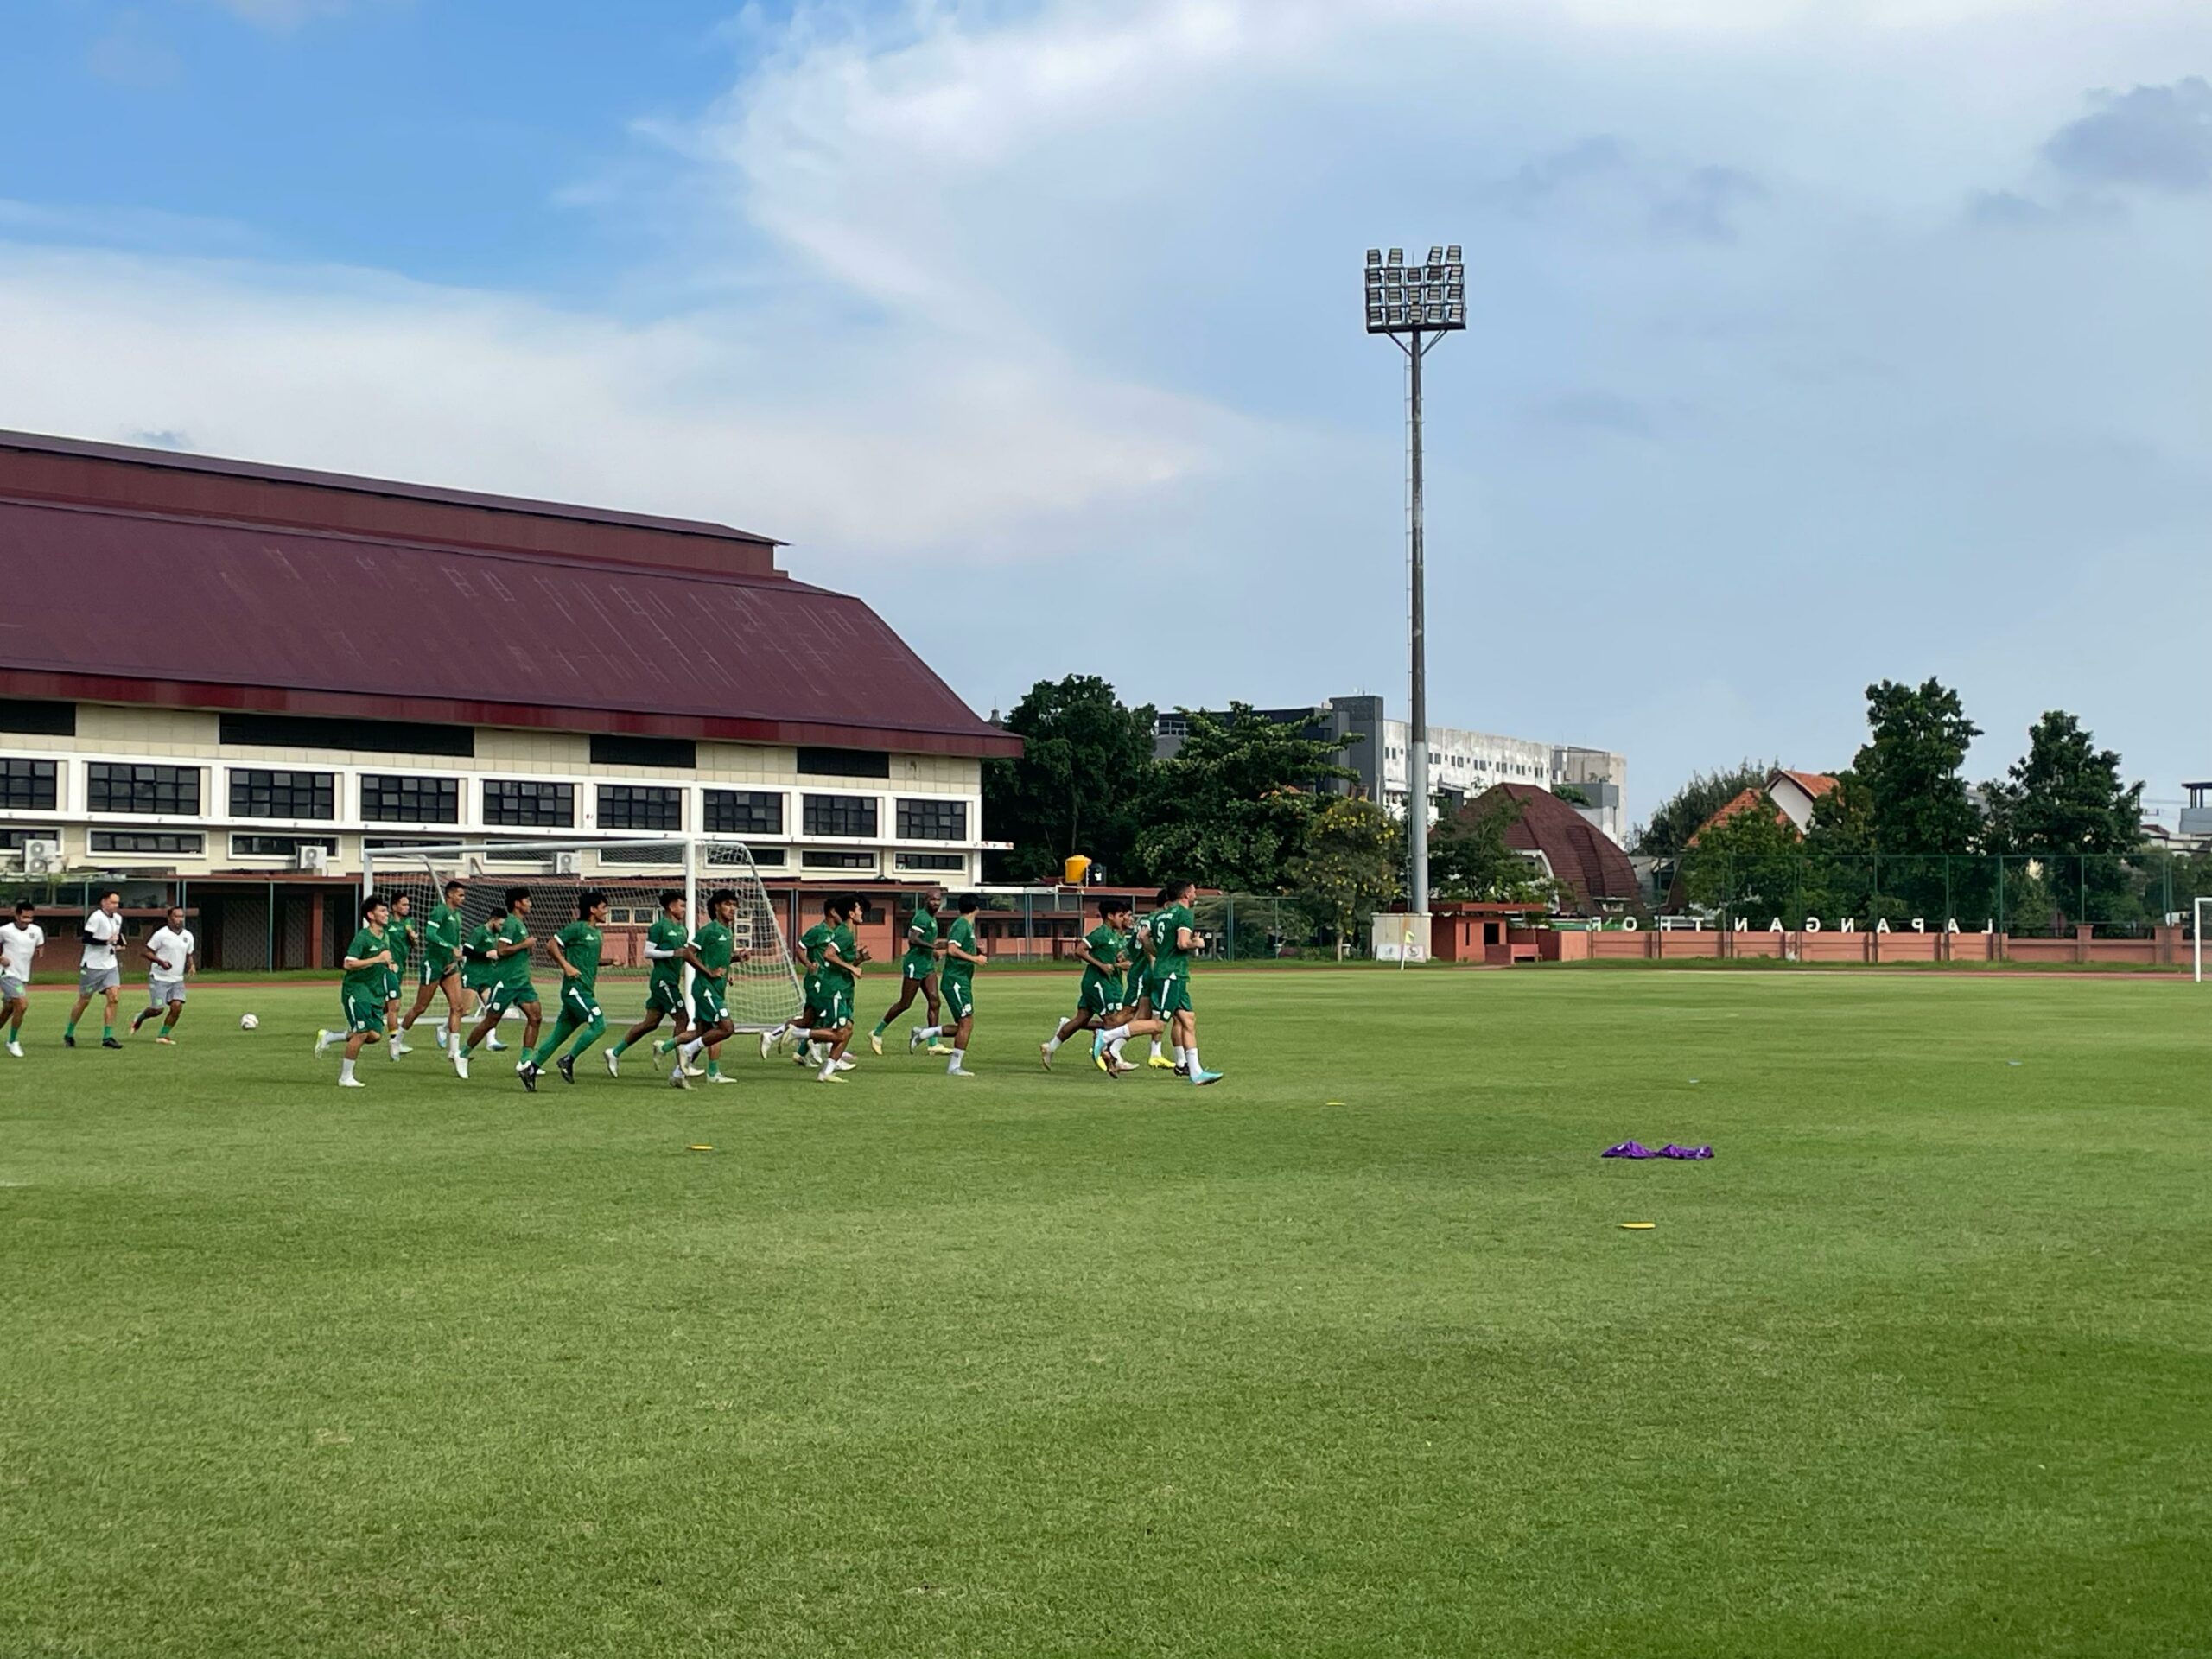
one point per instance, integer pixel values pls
(29, 785)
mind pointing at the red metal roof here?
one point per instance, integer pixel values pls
(141, 608)
(1580, 854)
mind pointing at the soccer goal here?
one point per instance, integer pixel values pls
(764, 988)
(2197, 934)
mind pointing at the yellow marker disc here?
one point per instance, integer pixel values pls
(698, 1149)
(1639, 1226)
(1333, 1103)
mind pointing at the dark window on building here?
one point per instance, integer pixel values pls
(820, 859)
(613, 749)
(933, 820)
(172, 791)
(133, 841)
(398, 798)
(744, 812)
(523, 804)
(932, 861)
(844, 763)
(29, 785)
(839, 815)
(12, 841)
(765, 857)
(629, 806)
(40, 718)
(280, 846)
(366, 736)
(257, 794)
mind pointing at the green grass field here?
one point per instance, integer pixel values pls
(1921, 1364)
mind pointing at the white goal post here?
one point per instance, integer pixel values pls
(2197, 933)
(633, 873)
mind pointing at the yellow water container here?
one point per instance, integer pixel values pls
(1075, 869)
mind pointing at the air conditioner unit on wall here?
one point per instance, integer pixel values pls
(41, 857)
(567, 863)
(315, 859)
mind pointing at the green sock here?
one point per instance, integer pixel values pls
(620, 1043)
(69, 1030)
(713, 1068)
(106, 1032)
(590, 1034)
(881, 1026)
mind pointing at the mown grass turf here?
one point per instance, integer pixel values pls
(1921, 1364)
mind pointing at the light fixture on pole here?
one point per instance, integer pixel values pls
(1416, 306)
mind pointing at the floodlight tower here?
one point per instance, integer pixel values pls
(1416, 306)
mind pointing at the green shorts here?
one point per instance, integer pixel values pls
(1102, 996)
(665, 996)
(473, 978)
(395, 981)
(917, 964)
(364, 1012)
(579, 1002)
(500, 998)
(1171, 993)
(833, 1005)
(959, 997)
(708, 1007)
(436, 970)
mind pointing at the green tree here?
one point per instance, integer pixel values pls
(1904, 793)
(1573, 794)
(1085, 766)
(1470, 858)
(1230, 810)
(1679, 815)
(1751, 864)
(2064, 804)
(1349, 865)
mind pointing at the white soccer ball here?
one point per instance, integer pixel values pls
(249, 1022)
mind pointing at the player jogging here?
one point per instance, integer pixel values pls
(509, 951)
(441, 965)
(1104, 952)
(98, 974)
(575, 950)
(1140, 1010)
(814, 992)
(1174, 935)
(917, 968)
(666, 943)
(167, 952)
(956, 985)
(837, 981)
(712, 950)
(399, 933)
(479, 970)
(361, 993)
(23, 942)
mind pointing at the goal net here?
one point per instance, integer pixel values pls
(763, 988)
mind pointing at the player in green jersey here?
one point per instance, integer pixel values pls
(667, 947)
(956, 985)
(823, 1028)
(814, 947)
(1174, 936)
(714, 947)
(1101, 1000)
(575, 950)
(441, 965)
(400, 934)
(361, 993)
(917, 968)
(508, 949)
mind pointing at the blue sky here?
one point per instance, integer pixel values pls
(1814, 342)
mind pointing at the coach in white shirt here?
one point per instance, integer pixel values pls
(167, 952)
(21, 942)
(99, 972)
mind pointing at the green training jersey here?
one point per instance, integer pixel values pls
(442, 937)
(962, 934)
(716, 945)
(815, 942)
(921, 936)
(514, 970)
(848, 950)
(481, 969)
(399, 935)
(367, 981)
(1108, 944)
(667, 934)
(1162, 926)
(581, 943)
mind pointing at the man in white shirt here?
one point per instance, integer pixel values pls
(21, 943)
(99, 972)
(168, 951)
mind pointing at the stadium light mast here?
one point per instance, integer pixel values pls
(1415, 306)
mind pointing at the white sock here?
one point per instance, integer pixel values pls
(690, 1051)
(1179, 1053)
(1118, 1035)
(1052, 1043)
(929, 1033)
(1192, 1052)
(829, 1063)
(959, 1055)
(1113, 1048)
(1155, 1048)
(345, 1068)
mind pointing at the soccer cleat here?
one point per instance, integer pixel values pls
(1163, 1062)
(914, 1040)
(845, 1063)
(1182, 1071)
(829, 1076)
(566, 1066)
(767, 1044)
(960, 1071)
(1044, 1053)
(166, 1042)
(676, 1078)
(613, 1062)
(1122, 1067)
(399, 1048)
(1203, 1076)
(496, 1046)
(461, 1066)
(875, 1042)
(528, 1073)
(940, 1048)
(694, 1070)
(16, 1049)
(109, 1042)
(351, 1083)
(441, 1034)
(69, 1040)
(719, 1076)
(322, 1042)
(138, 1019)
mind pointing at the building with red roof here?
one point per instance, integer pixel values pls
(1565, 844)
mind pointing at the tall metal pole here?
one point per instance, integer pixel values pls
(1417, 736)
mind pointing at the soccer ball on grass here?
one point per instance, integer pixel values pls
(249, 1021)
